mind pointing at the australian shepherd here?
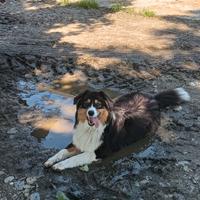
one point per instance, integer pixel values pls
(104, 126)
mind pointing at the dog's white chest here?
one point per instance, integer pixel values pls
(87, 138)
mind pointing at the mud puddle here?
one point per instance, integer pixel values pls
(54, 127)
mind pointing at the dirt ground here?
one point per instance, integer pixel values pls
(41, 41)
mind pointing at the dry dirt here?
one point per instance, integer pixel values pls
(41, 41)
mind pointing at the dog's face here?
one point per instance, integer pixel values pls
(93, 107)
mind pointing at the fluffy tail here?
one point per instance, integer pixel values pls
(173, 97)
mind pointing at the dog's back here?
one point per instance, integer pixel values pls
(137, 115)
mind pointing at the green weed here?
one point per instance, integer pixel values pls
(147, 13)
(88, 4)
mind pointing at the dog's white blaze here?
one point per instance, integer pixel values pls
(182, 94)
(88, 138)
(61, 155)
(75, 161)
(92, 108)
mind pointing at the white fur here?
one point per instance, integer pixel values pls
(61, 155)
(183, 94)
(88, 138)
(75, 161)
(94, 110)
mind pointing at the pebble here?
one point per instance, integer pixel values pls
(11, 137)
(143, 182)
(19, 185)
(12, 131)
(194, 83)
(26, 192)
(185, 166)
(27, 187)
(9, 179)
(31, 180)
(84, 168)
(182, 163)
(178, 108)
(2, 172)
(28, 76)
(35, 196)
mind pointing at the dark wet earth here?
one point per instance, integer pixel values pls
(37, 119)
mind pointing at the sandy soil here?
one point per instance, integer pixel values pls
(41, 41)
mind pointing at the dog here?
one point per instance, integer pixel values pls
(104, 126)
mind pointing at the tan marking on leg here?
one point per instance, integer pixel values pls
(82, 116)
(74, 149)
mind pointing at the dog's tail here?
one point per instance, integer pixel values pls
(173, 97)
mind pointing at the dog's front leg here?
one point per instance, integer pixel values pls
(75, 161)
(61, 155)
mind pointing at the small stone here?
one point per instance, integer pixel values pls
(31, 180)
(44, 68)
(2, 172)
(26, 192)
(12, 131)
(27, 187)
(19, 185)
(178, 108)
(84, 168)
(184, 165)
(9, 179)
(35, 196)
(143, 182)
(11, 137)
(137, 184)
(28, 76)
(194, 83)
(4, 198)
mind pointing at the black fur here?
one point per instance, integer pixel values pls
(134, 116)
(131, 117)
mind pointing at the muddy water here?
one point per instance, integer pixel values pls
(54, 128)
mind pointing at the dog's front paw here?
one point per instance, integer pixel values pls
(59, 166)
(48, 163)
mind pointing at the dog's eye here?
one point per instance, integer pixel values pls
(86, 104)
(98, 105)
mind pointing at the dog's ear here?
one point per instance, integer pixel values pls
(79, 97)
(108, 100)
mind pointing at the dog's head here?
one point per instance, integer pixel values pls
(93, 107)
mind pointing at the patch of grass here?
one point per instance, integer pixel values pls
(147, 13)
(61, 196)
(117, 7)
(130, 11)
(64, 2)
(88, 4)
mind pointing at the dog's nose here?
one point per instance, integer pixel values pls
(91, 113)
